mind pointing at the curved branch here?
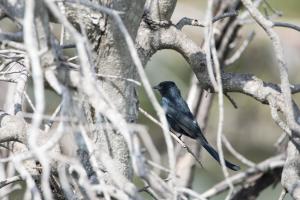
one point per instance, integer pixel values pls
(172, 38)
(10, 180)
(287, 25)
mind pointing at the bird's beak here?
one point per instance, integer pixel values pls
(156, 87)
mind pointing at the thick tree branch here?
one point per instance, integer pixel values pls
(251, 190)
(160, 10)
(290, 110)
(172, 38)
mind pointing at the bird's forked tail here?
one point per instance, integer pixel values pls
(216, 156)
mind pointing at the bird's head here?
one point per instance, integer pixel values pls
(167, 88)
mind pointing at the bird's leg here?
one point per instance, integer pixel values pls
(180, 135)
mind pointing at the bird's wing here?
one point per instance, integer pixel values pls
(191, 128)
(187, 123)
(183, 107)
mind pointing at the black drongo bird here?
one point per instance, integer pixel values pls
(181, 119)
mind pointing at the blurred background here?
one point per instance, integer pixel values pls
(249, 128)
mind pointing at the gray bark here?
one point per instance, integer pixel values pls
(113, 58)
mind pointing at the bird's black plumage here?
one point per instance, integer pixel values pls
(181, 119)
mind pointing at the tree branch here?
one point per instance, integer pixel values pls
(286, 25)
(248, 176)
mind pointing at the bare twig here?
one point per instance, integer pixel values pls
(118, 77)
(171, 133)
(231, 100)
(195, 22)
(282, 194)
(221, 115)
(51, 120)
(29, 101)
(272, 9)
(191, 193)
(237, 54)
(10, 181)
(236, 154)
(208, 30)
(264, 166)
(286, 25)
(188, 21)
(16, 37)
(35, 43)
(225, 15)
